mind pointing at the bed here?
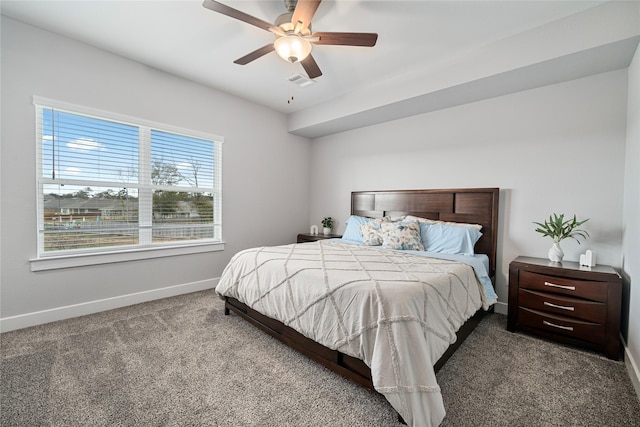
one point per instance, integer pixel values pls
(388, 315)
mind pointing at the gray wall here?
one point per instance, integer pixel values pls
(265, 202)
(631, 225)
(558, 148)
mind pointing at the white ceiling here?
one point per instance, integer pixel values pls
(185, 39)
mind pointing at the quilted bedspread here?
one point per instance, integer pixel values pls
(395, 311)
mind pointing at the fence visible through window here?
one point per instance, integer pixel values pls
(114, 184)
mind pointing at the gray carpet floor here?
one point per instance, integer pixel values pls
(181, 362)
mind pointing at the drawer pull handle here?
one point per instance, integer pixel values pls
(564, 307)
(553, 285)
(566, 328)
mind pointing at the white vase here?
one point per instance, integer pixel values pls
(326, 230)
(555, 253)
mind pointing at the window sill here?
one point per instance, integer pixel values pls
(82, 260)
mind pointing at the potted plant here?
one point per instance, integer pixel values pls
(327, 225)
(559, 229)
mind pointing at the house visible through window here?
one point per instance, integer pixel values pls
(108, 184)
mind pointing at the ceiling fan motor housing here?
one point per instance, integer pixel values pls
(284, 23)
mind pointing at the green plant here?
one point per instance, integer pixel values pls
(559, 229)
(327, 222)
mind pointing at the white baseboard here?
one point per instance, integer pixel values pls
(90, 307)
(501, 308)
(632, 369)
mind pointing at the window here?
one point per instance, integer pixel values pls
(108, 183)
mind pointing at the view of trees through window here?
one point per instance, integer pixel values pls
(97, 189)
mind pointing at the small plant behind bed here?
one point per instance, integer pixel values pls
(327, 225)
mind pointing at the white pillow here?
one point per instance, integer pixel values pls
(434, 221)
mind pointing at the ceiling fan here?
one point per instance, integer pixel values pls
(293, 34)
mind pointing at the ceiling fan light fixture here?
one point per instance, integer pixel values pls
(294, 36)
(292, 48)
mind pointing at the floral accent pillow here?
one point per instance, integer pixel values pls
(401, 235)
(372, 231)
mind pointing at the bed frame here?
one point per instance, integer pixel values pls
(469, 205)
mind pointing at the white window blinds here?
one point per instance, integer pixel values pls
(106, 183)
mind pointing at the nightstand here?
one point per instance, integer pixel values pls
(307, 237)
(566, 302)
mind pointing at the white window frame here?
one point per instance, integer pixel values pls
(144, 249)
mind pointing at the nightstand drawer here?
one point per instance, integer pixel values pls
(574, 328)
(595, 291)
(565, 306)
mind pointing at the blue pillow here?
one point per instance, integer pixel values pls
(352, 232)
(449, 239)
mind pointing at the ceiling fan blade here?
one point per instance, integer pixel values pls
(347, 39)
(304, 11)
(255, 54)
(234, 13)
(311, 67)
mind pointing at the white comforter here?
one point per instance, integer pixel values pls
(397, 312)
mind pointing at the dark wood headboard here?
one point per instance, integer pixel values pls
(470, 205)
